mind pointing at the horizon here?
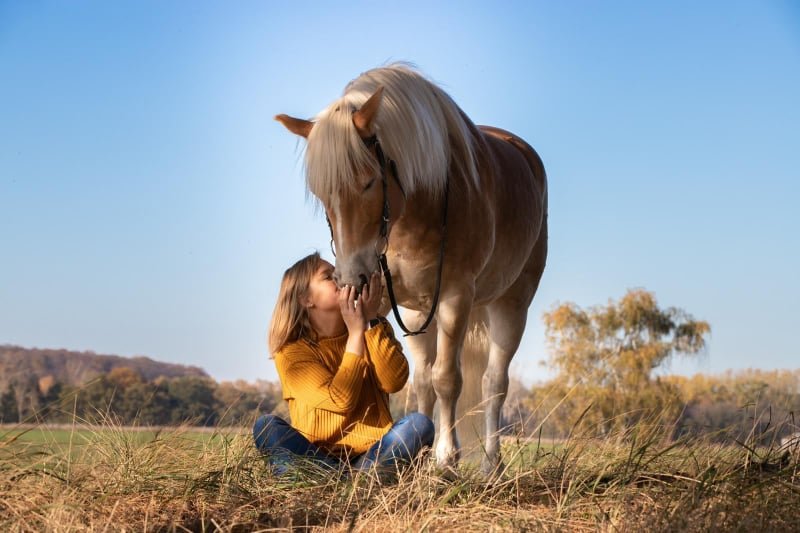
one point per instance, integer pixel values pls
(151, 204)
(190, 366)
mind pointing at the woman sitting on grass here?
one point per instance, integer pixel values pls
(338, 362)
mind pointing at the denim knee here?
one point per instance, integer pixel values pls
(265, 428)
(423, 426)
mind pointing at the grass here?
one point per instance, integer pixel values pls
(53, 436)
(109, 478)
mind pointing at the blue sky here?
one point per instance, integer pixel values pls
(149, 203)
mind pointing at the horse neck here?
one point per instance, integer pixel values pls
(422, 220)
(423, 211)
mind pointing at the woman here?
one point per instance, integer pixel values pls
(338, 361)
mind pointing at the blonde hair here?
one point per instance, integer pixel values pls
(290, 321)
(418, 124)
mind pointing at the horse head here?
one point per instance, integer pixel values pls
(347, 172)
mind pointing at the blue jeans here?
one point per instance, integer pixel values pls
(283, 444)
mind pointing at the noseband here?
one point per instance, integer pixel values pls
(372, 142)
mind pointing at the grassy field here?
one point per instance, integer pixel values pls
(50, 437)
(111, 478)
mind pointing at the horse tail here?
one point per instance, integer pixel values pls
(471, 425)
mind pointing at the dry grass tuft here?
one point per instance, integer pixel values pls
(111, 479)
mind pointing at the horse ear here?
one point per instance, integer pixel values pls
(364, 117)
(298, 126)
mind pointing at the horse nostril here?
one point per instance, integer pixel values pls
(363, 279)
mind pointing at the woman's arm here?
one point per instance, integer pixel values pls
(311, 382)
(385, 352)
(386, 355)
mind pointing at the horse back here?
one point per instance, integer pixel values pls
(526, 150)
(514, 181)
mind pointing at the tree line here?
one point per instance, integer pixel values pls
(607, 362)
(124, 397)
(25, 365)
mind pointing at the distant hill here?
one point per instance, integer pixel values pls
(26, 365)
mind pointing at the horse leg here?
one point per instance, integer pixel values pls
(453, 316)
(507, 317)
(423, 350)
(506, 325)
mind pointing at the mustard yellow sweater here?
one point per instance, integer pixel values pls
(339, 400)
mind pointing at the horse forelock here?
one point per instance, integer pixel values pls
(335, 152)
(418, 125)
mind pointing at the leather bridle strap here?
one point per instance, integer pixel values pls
(372, 142)
(384, 233)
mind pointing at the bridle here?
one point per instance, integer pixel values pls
(383, 241)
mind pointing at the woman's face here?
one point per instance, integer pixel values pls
(323, 293)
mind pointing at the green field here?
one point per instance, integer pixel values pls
(35, 443)
(58, 437)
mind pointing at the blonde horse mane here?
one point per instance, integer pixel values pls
(418, 125)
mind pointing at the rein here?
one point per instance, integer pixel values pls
(384, 235)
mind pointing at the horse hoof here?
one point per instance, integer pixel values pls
(447, 457)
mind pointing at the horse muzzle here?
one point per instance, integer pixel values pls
(355, 273)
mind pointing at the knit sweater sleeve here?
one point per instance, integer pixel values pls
(386, 355)
(305, 377)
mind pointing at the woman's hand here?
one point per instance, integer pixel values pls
(352, 310)
(370, 299)
(353, 315)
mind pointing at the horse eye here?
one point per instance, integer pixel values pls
(368, 185)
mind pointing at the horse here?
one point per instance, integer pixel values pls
(454, 214)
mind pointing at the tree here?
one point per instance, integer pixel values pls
(606, 356)
(8, 406)
(516, 415)
(95, 401)
(193, 400)
(746, 405)
(28, 397)
(124, 376)
(239, 402)
(147, 404)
